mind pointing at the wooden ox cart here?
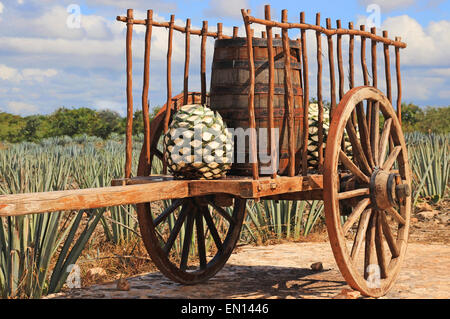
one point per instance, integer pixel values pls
(366, 193)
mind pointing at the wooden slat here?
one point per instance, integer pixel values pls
(219, 30)
(169, 73)
(129, 128)
(331, 66)
(175, 27)
(145, 106)
(270, 57)
(399, 83)
(396, 43)
(319, 91)
(340, 61)
(203, 61)
(22, 204)
(251, 98)
(235, 32)
(187, 58)
(387, 68)
(152, 188)
(305, 98)
(289, 97)
(351, 68)
(365, 72)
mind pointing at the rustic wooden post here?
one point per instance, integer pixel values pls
(340, 61)
(331, 63)
(399, 81)
(203, 61)
(270, 57)
(169, 74)
(145, 104)
(305, 98)
(387, 68)
(187, 58)
(351, 65)
(235, 32)
(251, 98)
(289, 97)
(375, 117)
(319, 90)
(129, 131)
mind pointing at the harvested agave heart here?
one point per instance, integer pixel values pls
(198, 144)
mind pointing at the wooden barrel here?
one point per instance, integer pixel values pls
(229, 95)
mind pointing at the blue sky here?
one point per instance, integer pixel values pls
(45, 64)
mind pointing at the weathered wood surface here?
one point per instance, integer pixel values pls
(147, 189)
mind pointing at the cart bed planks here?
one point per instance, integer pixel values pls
(152, 188)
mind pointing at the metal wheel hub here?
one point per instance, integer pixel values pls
(387, 189)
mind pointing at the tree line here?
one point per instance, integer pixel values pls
(67, 122)
(102, 123)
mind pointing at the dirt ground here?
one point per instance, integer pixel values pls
(283, 270)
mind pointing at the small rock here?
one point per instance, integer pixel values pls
(123, 285)
(96, 273)
(317, 266)
(428, 214)
(347, 294)
(414, 220)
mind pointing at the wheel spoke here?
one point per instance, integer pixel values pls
(187, 241)
(222, 212)
(157, 153)
(169, 210)
(353, 193)
(396, 215)
(389, 237)
(375, 131)
(358, 152)
(370, 245)
(212, 229)
(364, 133)
(176, 230)
(357, 211)
(362, 227)
(379, 245)
(353, 168)
(391, 159)
(200, 240)
(384, 141)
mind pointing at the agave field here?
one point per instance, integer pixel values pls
(37, 250)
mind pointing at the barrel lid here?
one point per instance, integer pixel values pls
(257, 42)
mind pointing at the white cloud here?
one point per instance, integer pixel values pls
(229, 8)
(30, 74)
(18, 107)
(389, 5)
(427, 46)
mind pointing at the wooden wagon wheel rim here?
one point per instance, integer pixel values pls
(372, 189)
(193, 213)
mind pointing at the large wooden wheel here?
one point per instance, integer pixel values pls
(367, 191)
(188, 239)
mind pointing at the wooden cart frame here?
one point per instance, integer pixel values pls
(366, 193)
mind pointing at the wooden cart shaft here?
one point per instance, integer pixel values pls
(153, 188)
